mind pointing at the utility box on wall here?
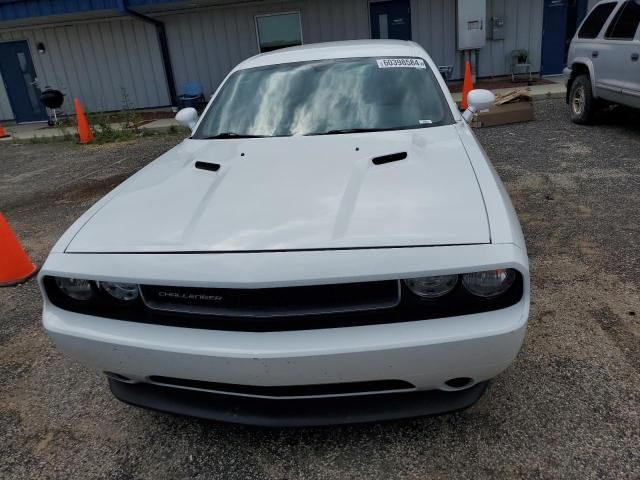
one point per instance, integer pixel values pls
(472, 24)
(496, 32)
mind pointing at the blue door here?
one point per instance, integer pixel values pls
(391, 19)
(554, 36)
(19, 81)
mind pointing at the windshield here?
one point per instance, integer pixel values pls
(326, 97)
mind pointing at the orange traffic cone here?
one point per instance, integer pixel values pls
(3, 134)
(467, 86)
(84, 131)
(15, 266)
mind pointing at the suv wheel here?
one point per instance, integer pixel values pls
(581, 102)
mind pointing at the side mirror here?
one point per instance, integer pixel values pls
(478, 100)
(187, 117)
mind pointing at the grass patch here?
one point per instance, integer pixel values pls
(107, 136)
(120, 126)
(108, 127)
(112, 136)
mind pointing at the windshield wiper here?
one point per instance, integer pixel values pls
(351, 130)
(229, 135)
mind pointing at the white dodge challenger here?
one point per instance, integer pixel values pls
(330, 245)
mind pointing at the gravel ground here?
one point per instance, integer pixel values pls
(568, 407)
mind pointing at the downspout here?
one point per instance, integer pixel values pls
(164, 47)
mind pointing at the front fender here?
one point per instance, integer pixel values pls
(575, 65)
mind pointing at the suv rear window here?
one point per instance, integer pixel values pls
(625, 24)
(596, 20)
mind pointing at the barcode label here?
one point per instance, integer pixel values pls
(401, 63)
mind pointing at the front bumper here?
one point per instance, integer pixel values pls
(295, 413)
(425, 353)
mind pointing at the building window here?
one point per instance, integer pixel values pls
(279, 30)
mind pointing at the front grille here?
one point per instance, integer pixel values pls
(284, 309)
(346, 388)
(274, 302)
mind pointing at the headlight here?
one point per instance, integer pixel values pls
(75, 288)
(489, 284)
(432, 287)
(125, 292)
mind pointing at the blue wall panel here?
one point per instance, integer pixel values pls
(22, 9)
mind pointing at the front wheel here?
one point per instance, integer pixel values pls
(581, 102)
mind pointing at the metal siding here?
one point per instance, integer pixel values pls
(448, 21)
(97, 62)
(102, 64)
(51, 71)
(135, 56)
(114, 65)
(433, 27)
(535, 34)
(523, 30)
(207, 43)
(246, 33)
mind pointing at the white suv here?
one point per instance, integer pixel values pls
(331, 244)
(604, 60)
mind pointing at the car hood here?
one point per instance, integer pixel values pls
(314, 192)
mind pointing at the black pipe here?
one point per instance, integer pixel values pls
(164, 47)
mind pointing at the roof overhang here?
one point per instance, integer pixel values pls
(30, 13)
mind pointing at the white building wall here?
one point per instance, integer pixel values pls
(523, 31)
(99, 59)
(205, 44)
(96, 61)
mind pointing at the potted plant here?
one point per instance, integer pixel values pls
(523, 57)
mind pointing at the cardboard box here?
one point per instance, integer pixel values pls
(504, 114)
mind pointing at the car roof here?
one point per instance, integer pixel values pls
(329, 50)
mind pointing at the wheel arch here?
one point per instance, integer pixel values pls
(578, 67)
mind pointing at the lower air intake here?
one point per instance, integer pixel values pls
(376, 386)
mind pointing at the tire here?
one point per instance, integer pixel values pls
(583, 107)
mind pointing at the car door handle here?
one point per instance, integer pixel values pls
(635, 56)
(595, 53)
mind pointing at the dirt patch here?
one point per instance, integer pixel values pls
(91, 189)
(78, 194)
(623, 330)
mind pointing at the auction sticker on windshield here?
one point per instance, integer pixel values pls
(401, 63)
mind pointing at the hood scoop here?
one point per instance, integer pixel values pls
(393, 157)
(212, 167)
